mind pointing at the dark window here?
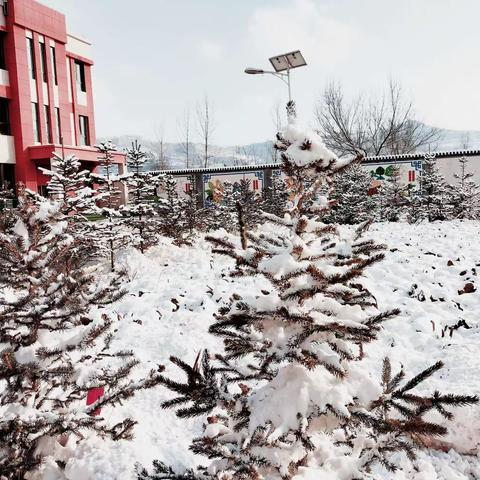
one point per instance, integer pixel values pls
(7, 176)
(54, 64)
(4, 117)
(84, 131)
(31, 58)
(48, 124)
(43, 58)
(3, 62)
(59, 125)
(42, 191)
(80, 76)
(36, 122)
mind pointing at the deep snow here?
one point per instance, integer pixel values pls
(173, 293)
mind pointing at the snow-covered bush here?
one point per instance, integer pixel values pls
(288, 397)
(55, 342)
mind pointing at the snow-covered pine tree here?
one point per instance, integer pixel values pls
(220, 212)
(392, 197)
(140, 210)
(434, 191)
(415, 210)
(275, 198)
(465, 194)
(249, 201)
(109, 234)
(224, 213)
(287, 397)
(194, 215)
(55, 343)
(226, 216)
(353, 202)
(172, 218)
(70, 185)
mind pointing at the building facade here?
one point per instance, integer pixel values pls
(46, 96)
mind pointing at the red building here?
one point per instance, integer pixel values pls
(46, 100)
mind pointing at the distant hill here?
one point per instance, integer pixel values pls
(255, 153)
(458, 140)
(174, 154)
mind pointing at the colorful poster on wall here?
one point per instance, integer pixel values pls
(214, 184)
(410, 173)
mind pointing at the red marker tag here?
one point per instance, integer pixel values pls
(92, 396)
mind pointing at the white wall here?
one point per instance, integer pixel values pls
(33, 90)
(4, 78)
(80, 47)
(449, 166)
(3, 21)
(7, 149)
(81, 97)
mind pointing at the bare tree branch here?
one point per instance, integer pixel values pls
(184, 130)
(158, 148)
(375, 125)
(206, 126)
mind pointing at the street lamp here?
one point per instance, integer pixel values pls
(282, 64)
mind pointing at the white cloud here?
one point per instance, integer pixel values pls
(301, 25)
(210, 50)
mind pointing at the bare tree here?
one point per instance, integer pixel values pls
(184, 130)
(465, 140)
(206, 127)
(374, 125)
(158, 146)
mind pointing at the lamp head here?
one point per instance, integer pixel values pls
(254, 71)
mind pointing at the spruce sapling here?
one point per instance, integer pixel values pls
(393, 197)
(275, 198)
(465, 194)
(139, 211)
(434, 191)
(109, 232)
(55, 344)
(288, 395)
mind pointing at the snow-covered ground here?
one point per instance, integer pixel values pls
(174, 292)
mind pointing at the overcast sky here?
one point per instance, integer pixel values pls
(155, 58)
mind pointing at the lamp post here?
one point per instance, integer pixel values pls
(282, 64)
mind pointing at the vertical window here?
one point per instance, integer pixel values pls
(31, 58)
(43, 61)
(54, 64)
(84, 133)
(59, 125)
(80, 76)
(4, 117)
(36, 122)
(3, 62)
(48, 124)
